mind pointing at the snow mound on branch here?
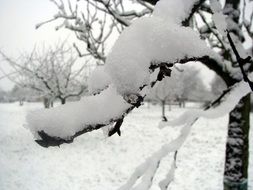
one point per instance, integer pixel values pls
(171, 10)
(145, 41)
(64, 121)
(99, 80)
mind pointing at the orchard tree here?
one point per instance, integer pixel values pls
(193, 88)
(22, 94)
(166, 91)
(151, 45)
(52, 72)
(183, 84)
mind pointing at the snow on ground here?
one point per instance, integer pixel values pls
(94, 162)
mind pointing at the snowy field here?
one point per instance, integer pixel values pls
(94, 162)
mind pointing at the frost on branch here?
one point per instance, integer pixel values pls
(139, 51)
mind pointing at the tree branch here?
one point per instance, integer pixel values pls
(241, 61)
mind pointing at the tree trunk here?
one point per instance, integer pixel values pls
(46, 102)
(63, 100)
(179, 102)
(170, 105)
(163, 108)
(21, 102)
(237, 147)
(52, 103)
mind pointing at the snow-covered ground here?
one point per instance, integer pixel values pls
(94, 162)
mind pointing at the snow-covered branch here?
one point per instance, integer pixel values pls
(62, 124)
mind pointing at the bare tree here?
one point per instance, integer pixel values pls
(167, 91)
(52, 72)
(193, 88)
(184, 84)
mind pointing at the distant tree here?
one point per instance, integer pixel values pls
(193, 88)
(22, 94)
(53, 73)
(183, 84)
(18, 94)
(167, 91)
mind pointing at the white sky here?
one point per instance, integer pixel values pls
(18, 34)
(17, 29)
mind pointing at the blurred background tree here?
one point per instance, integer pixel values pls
(52, 73)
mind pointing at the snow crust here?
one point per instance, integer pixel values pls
(65, 121)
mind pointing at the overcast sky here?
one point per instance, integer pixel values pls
(17, 28)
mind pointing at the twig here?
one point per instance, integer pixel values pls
(240, 61)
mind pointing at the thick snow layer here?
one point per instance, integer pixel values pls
(65, 120)
(159, 38)
(95, 163)
(99, 80)
(171, 10)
